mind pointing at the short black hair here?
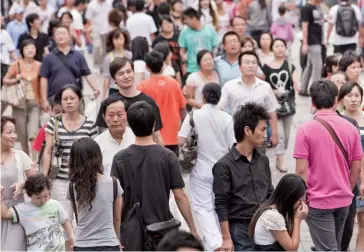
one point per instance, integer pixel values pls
(164, 48)
(347, 88)
(25, 43)
(139, 5)
(141, 118)
(30, 19)
(347, 59)
(275, 40)
(164, 9)
(229, 33)
(154, 61)
(119, 63)
(248, 53)
(76, 89)
(323, 94)
(248, 115)
(179, 239)
(282, 10)
(139, 47)
(191, 13)
(202, 53)
(212, 93)
(165, 18)
(110, 100)
(238, 17)
(36, 184)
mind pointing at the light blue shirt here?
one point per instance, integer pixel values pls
(194, 41)
(226, 70)
(15, 29)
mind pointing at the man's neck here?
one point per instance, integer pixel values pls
(155, 74)
(130, 92)
(144, 141)
(232, 58)
(330, 110)
(33, 33)
(246, 149)
(18, 21)
(248, 80)
(64, 48)
(117, 135)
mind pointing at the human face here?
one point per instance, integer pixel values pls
(70, 2)
(115, 117)
(119, 42)
(239, 26)
(29, 51)
(43, 3)
(219, 2)
(249, 65)
(265, 41)
(207, 62)
(204, 4)
(279, 49)
(353, 100)
(62, 36)
(177, 10)
(57, 109)
(42, 198)
(37, 24)
(167, 26)
(9, 136)
(124, 77)
(248, 46)
(70, 101)
(338, 79)
(232, 45)
(353, 71)
(256, 138)
(19, 17)
(190, 22)
(67, 21)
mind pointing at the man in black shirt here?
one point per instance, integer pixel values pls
(147, 172)
(242, 178)
(41, 39)
(122, 71)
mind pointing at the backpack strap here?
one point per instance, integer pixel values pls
(73, 200)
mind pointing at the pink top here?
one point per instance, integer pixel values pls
(328, 176)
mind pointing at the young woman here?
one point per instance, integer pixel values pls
(170, 68)
(350, 64)
(66, 19)
(176, 13)
(15, 166)
(258, 18)
(139, 47)
(247, 44)
(99, 214)
(117, 45)
(284, 80)
(339, 78)
(223, 17)
(71, 126)
(207, 12)
(331, 65)
(215, 137)
(351, 97)
(196, 81)
(26, 71)
(276, 225)
(42, 218)
(265, 53)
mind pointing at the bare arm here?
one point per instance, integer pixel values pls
(46, 51)
(329, 30)
(158, 137)
(301, 168)
(11, 79)
(181, 140)
(152, 36)
(5, 212)
(13, 56)
(274, 124)
(190, 94)
(117, 215)
(227, 243)
(67, 226)
(285, 240)
(178, 78)
(305, 33)
(182, 114)
(44, 94)
(105, 87)
(91, 83)
(47, 154)
(355, 172)
(296, 81)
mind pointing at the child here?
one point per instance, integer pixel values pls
(282, 28)
(41, 218)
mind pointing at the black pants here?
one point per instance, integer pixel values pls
(349, 224)
(343, 48)
(102, 248)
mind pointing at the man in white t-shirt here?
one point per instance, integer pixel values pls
(141, 24)
(346, 19)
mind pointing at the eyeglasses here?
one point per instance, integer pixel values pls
(231, 42)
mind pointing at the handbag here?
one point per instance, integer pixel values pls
(287, 102)
(335, 138)
(150, 235)
(14, 95)
(73, 199)
(57, 152)
(188, 152)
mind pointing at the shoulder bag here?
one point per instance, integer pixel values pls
(151, 234)
(287, 103)
(57, 152)
(335, 138)
(62, 58)
(14, 95)
(73, 199)
(188, 152)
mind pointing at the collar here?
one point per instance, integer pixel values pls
(325, 112)
(256, 83)
(57, 51)
(237, 155)
(224, 57)
(111, 138)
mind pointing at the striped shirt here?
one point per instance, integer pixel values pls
(66, 139)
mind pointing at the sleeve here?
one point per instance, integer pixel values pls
(152, 27)
(93, 131)
(272, 220)
(271, 101)
(229, 133)
(26, 161)
(301, 148)
(181, 39)
(39, 139)
(181, 98)
(273, 29)
(116, 170)
(158, 120)
(221, 188)
(62, 215)
(120, 190)
(139, 67)
(224, 100)
(7, 41)
(105, 66)
(50, 126)
(88, 14)
(266, 71)
(85, 70)
(305, 14)
(45, 67)
(357, 149)
(332, 15)
(185, 128)
(358, 14)
(190, 81)
(176, 179)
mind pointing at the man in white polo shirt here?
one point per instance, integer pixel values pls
(118, 136)
(249, 88)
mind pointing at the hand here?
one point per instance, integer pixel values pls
(297, 88)
(44, 104)
(304, 49)
(195, 234)
(17, 187)
(326, 43)
(71, 241)
(227, 245)
(18, 77)
(274, 140)
(121, 246)
(96, 93)
(301, 212)
(361, 191)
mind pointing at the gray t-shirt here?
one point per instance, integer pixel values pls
(95, 226)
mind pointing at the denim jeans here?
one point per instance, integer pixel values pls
(101, 248)
(240, 235)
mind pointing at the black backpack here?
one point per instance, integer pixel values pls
(346, 22)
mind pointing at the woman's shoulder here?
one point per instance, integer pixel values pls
(271, 219)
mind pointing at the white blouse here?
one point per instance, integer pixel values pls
(270, 220)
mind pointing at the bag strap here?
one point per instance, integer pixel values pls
(18, 63)
(56, 128)
(335, 138)
(73, 200)
(62, 58)
(192, 122)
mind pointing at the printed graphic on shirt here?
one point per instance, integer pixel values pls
(279, 80)
(49, 238)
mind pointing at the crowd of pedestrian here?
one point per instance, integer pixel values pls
(191, 90)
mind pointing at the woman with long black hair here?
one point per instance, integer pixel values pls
(96, 199)
(276, 225)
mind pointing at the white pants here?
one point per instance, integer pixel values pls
(205, 215)
(284, 129)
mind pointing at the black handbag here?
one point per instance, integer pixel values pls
(138, 235)
(287, 105)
